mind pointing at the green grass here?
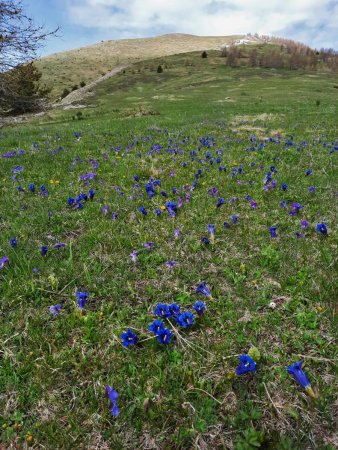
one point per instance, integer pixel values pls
(54, 370)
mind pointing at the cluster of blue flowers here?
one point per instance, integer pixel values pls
(184, 319)
(77, 202)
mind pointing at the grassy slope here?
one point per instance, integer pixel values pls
(64, 70)
(55, 370)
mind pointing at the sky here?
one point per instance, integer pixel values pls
(85, 22)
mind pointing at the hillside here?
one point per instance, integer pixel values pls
(157, 236)
(66, 69)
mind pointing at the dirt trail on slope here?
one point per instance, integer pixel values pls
(79, 94)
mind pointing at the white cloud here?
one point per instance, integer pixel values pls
(310, 21)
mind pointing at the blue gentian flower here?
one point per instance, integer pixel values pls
(202, 289)
(296, 207)
(162, 310)
(81, 298)
(221, 201)
(312, 189)
(226, 224)
(13, 242)
(158, 211)
(71, 201)
(55, 309)
(4, 261)
(211, 228)
(133, 255)
(91, 194)
(171, 264)
(59, 245)
(297, 371)
(174, 309)
(308, 172)
(105, 210)
(273, 232)
(234, 218)
(199, 307)
(205, 240)
(142, 210)
(283, 204)
(322, 228)
(185, 320)
(171, 207)
(20, 189)
(149, 245)
(31, 187)
(164, 336)
(305, 223)
(44, 250)
(246, 364)
(156, 327)
(113, 397)
(284, 186)
(253, 204)
(129, 338)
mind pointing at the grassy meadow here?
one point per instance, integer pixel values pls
(263, 140)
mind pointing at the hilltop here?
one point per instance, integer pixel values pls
(69, 68)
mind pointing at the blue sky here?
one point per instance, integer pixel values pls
(85, 22)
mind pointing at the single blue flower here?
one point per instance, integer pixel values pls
(149, 245)
(174, 309)
(105, 210)
(4, 261)
(199, 307)
(171, 264)
(284, 186)
(31, 187)
(211, 228)
(55, 309)
(205, 240)
(308, 172)
(273, 232)
(226, 224)
(234, 218)
(162, 310)
(59, 245)
(322, 228)
(312, 189)
(296, 207)
(297, 371)
(129, 338)
(13, 242)
(91, 194)
(186, 319)
(156, 327)
(142, 210)
(44, 250)
(81, 298)
(247, 364)
(20, 189)
(71, 201)
(164, 336)
(158, 211)
(283, 204)
(202, 289)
